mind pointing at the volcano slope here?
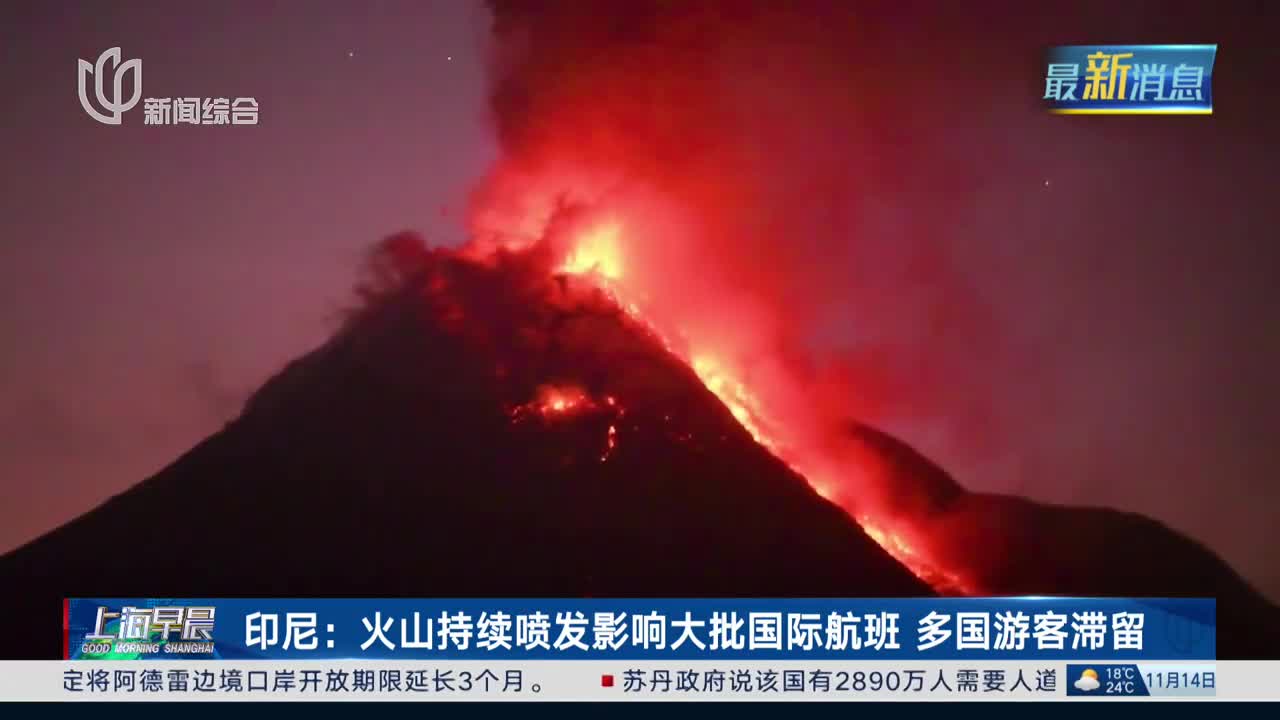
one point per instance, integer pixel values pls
(492, 429)
(1006, 545)
(472, 431)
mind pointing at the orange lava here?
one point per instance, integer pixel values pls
(556, 402)
(597, 252)
(902, 551)
(597, 255)
(735, 396)
(610, 442)
(552, 401)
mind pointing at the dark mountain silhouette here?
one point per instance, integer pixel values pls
(488, 429)
(454, 440)
(1009, 545)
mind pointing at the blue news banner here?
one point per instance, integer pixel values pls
(935, 629)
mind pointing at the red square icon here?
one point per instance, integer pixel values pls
(606, 681)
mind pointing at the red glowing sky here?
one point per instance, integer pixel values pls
(854, 205)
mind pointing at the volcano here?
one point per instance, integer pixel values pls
(490, 428)
(473, 430)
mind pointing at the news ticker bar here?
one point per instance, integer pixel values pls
(608, 680)
(519, 630)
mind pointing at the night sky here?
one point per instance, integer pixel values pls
(1104, 332)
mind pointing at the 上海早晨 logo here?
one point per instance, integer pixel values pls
(112, 78)
(1130, 79)
(148, 632)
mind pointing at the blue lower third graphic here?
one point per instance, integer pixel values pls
(1105, 630)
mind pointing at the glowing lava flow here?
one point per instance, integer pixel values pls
(597, 252)
(610, 443)
(597, 255)
(741, 403)
(552, 401)
(902, 551)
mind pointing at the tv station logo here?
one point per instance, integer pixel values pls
(1130, 79)
(150, 631)
(109, 77)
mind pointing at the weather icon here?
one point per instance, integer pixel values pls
(1088, 681)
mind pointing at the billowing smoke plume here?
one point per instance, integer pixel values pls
(720, 156)
(845, 220)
